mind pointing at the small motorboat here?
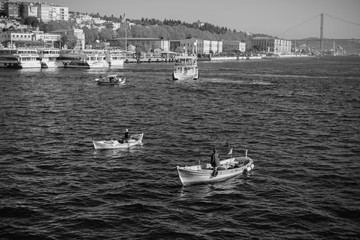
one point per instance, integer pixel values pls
(112, 79)
(135, 139)
(231, 167)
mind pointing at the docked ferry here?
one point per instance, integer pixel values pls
(89, 58)
(19, 58)
(48, 57)
(115, 58)
(185, 68)
(66, 56)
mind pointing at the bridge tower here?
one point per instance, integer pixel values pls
(321, 31)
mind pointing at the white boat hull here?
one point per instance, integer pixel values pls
(116, 63)
(190, 175)
(114, 144)
(190, 75)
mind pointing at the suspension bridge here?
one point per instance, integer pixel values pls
(332, 31)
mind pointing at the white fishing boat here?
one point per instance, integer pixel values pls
(115, 58)
(112, 79)
(186, 68)
(48, 57)
(89, 59)
(19, 58)
(231, 167)
(134, 140)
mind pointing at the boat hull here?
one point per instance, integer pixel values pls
(114, 144)
(190, 175)
(111, 80)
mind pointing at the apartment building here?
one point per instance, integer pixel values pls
(2, 4)
(48, 12)
(12, 9)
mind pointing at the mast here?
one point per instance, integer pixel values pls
(125, 37)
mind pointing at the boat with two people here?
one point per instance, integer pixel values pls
(112, 79)
(186, 68)
(228, 168)
(134, 139)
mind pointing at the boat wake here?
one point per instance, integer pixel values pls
(235, 81)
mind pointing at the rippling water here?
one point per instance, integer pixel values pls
(299, 119)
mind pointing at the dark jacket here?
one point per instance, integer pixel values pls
(215, 161)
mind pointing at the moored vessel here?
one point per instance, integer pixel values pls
(19, 58)
(88, 58)
(49, 57)
(115, 58)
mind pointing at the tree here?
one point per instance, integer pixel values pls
(106, 34)
(32, 21)
(91, 35)
(69, 40)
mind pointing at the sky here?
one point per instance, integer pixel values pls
(289, 19)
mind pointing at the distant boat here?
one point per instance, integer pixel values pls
(112, 79)
(186, 68)
(231, 167)
(135, 139)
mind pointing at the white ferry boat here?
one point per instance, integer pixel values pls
(48, 57)
(19, 58)
(66, 56)
(115, 58)
(89, 58)
(186, 68)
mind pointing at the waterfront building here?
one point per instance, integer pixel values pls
(195, 45)
(165, 45)
(272, 45)
(234, 46)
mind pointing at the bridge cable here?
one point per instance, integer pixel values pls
(298, 25)
(356, 24)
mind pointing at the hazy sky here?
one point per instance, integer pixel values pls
(282, 18)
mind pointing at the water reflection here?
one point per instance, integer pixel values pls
(120, 152)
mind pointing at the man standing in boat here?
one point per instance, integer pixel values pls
(215, 162)
(127, 136)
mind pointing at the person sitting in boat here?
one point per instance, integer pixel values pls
(126, 136)
(215, 162)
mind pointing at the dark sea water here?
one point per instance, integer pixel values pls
(298, 118)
